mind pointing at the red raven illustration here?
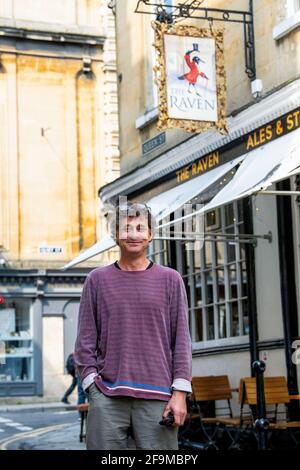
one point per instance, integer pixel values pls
(192, 76)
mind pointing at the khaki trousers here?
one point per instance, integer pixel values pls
(110, 417)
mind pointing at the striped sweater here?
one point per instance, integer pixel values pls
(133, 331)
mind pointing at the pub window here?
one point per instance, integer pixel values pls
(289, 19)
(158, 252)
(215, 278)
(214, 273)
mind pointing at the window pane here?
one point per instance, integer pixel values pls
(222, 321)
(221, 285)
(16, 361)
(199, 324)
(186, 256)
(210, 323)
(208, 254)
(198, 290)
(212, 221)
(242, 252)
(197, 260)
(234, 319)
(245, 317)
(232, 281)
(231, 252)
(240, 211)
(229, 215)
(244, 280)
(188, 290)
(220, 253)
(16, 369)
(165, 253)
(209, 287)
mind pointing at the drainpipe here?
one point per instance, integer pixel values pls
(251, 289)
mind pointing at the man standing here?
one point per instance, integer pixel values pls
(133, 349)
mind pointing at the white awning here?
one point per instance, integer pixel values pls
(104, 245)
(164, 204)
(260, 168)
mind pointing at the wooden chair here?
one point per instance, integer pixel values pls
(83, 411)
(211, 389)
(276, 394)
(214, 388)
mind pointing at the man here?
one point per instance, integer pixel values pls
(133, 349)
(70, 367)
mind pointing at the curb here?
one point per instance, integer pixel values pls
(37, 407)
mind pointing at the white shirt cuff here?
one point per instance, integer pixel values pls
(88, 380)
(182, 385)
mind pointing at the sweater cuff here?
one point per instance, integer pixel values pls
(182, 385)
(88, 381)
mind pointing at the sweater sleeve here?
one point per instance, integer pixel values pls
(87, 335)
(181, 341)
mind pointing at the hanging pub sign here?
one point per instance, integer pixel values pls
(190, 76)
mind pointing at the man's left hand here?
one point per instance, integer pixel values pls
(177, 405)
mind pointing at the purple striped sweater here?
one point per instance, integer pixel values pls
(133, 331)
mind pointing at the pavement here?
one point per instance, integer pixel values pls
(66, 438)
(63, 438)
(40, 426)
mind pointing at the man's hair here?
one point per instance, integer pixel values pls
(130, 209)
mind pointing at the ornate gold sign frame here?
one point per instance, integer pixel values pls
(164, 121)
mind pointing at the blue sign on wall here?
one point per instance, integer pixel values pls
(151, 144)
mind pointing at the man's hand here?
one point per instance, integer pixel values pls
(177, 405)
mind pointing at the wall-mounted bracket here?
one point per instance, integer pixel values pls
(170, 13)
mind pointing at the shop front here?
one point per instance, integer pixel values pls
(38, 325)
(18, 358)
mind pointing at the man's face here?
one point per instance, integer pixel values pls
(134, 234)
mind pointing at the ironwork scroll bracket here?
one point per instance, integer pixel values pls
(169, 13)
